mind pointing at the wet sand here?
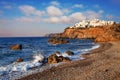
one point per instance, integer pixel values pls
(100, 64)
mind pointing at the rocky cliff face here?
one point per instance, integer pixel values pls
(99, 34)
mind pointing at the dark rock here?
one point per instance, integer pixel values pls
(63, 59)
(19, 60)
(106, 70)
(69, 53)
(66, 59)
(57, 41)
(52, 59)
(16, 47)
(56, 59)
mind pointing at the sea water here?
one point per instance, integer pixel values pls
(35, 49)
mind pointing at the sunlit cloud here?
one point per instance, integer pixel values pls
(92, 14)
(30, 10)
(54, 11)
(77, 16)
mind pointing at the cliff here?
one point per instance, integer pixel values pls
(102, 33)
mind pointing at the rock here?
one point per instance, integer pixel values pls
(63, 59)
(16, 47)
(54, 40)
(52, 59)
(19, 60)
(56, 59)
(69, 53)
(66, 59)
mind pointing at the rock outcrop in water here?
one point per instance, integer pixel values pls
(56, 58)
(55, 40)
(16, 47)
(100, 31)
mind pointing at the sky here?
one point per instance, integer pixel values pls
(34, 18)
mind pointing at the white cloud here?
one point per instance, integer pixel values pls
(61, 19)
(52, 20)
(77, 6)
(92, 14)
(74, 17)
(55, 3)
(28, 19)
(66, 11)
(30, 10)
(77, 16)
(54, 11)
(101, 11)
(65, 19)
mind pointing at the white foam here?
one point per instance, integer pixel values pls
(21, 66)
(38, 58)
(25, 67)
(93, 47)
(65, 55)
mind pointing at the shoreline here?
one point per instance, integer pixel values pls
(86, 69)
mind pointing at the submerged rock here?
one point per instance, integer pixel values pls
(16, 47)
(19, 60)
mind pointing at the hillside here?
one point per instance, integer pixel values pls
(99, 30)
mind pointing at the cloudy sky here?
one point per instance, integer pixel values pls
(39, 17)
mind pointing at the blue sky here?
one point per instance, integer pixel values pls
(39, 17)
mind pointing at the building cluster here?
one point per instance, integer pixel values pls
(92, 23)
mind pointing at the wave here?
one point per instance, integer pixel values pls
(21, 67)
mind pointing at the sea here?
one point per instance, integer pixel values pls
(33, 49)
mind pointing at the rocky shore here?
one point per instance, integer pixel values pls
(101, 64)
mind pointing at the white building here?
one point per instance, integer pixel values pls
(93, 23)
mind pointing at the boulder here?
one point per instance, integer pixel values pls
(52, 59)
(69, 53)
(56, 59)
(16, 47)
(19, 60)
(63, 59)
